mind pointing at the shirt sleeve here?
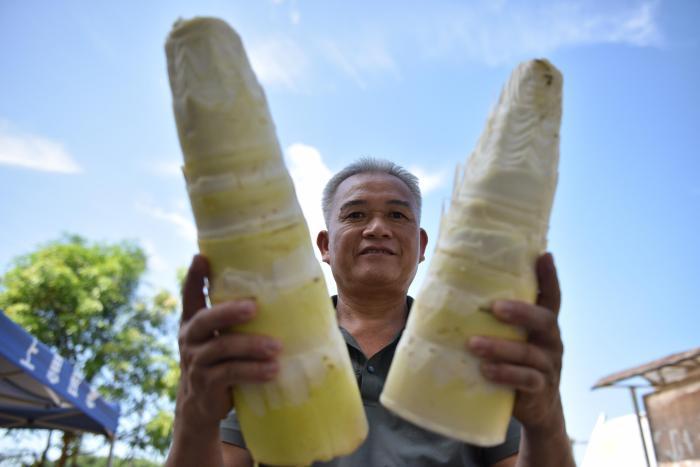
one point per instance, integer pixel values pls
(230, 430)
(509, 447)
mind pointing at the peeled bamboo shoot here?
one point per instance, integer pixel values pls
(490, 237)
(252, 230)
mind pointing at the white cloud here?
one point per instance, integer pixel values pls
(360, 58)
(182, 203)
(428, 181)
(310, 175)
(155, 261)
(184, 224)
(168, 169)
(34, 152)
(505, 31)
(339, 59)
(494, 32)
(639, 28)
(281, 62)
(294, 13)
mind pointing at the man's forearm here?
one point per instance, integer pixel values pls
(194, 448)
(548, 446)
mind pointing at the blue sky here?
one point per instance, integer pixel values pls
(88, 142)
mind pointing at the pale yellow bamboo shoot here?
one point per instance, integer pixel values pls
(490, 238)
(252, 230)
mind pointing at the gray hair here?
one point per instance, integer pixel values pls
(369, 165)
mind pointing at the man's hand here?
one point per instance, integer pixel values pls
(533, 368)
(212, 360)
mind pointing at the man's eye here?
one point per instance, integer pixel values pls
(355, 215)
(397, 215)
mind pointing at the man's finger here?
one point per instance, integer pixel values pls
(236, 347)
(220, 317)
(231, 373)
(518, 377)
(193, 290)
(533, 318)
(549, 295)
(512, 352)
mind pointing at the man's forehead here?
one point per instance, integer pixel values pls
(362, 202)
(360, 188)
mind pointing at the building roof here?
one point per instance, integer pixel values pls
(670, 369)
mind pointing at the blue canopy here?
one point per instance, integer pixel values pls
(39, 389)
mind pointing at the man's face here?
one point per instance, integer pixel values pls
(373, 239)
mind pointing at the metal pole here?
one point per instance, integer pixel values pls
(42, 462)
(633, 391)
(111, 451)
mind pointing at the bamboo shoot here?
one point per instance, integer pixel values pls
(490, 237)
(252, 230)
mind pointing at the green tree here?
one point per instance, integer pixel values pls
(84, 300)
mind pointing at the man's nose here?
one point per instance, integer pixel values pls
(377, 227)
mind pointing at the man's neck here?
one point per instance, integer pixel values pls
(373, 321)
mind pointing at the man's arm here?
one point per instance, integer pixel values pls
(549, 447)
(546, 446)
(533, 368)
(507, 462)
(235, 456)
(194, 447)
(212, 361)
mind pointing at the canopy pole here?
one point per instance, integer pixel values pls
(633, 392)
(111, 451)
(44, 454)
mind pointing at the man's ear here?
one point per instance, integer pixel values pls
(423, 243)
(322, 242)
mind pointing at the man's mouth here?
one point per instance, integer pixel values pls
(376, 251)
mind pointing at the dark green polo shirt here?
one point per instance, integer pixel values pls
(393, 441)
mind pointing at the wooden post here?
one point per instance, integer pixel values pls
(633, 391)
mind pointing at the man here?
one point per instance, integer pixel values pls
(373, 245)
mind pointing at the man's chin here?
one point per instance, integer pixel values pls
(378, 279)
(372, 277)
